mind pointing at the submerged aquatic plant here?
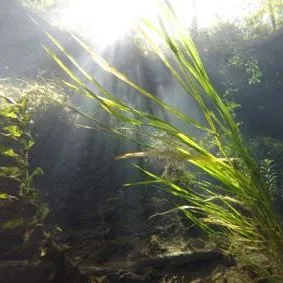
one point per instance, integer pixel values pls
(234, 205)
(271, 178)
(23, 207)
(16, 142)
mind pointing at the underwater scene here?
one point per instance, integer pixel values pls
(141, 141)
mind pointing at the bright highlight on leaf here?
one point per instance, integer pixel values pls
(14, 223)
(4, 196)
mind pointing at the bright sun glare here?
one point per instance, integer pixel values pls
(104, 21)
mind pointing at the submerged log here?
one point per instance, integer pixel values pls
(179, 259)
(192, 265)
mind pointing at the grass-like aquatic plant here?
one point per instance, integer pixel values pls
(235, 208)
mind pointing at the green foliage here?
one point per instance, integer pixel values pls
(264, 19)
(4, 196)
(13, 223)
(226, 41)
(231, 201)
(16, 143)
(247, 64)
(224, 35)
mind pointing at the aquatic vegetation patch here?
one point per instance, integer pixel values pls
(231, 199)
